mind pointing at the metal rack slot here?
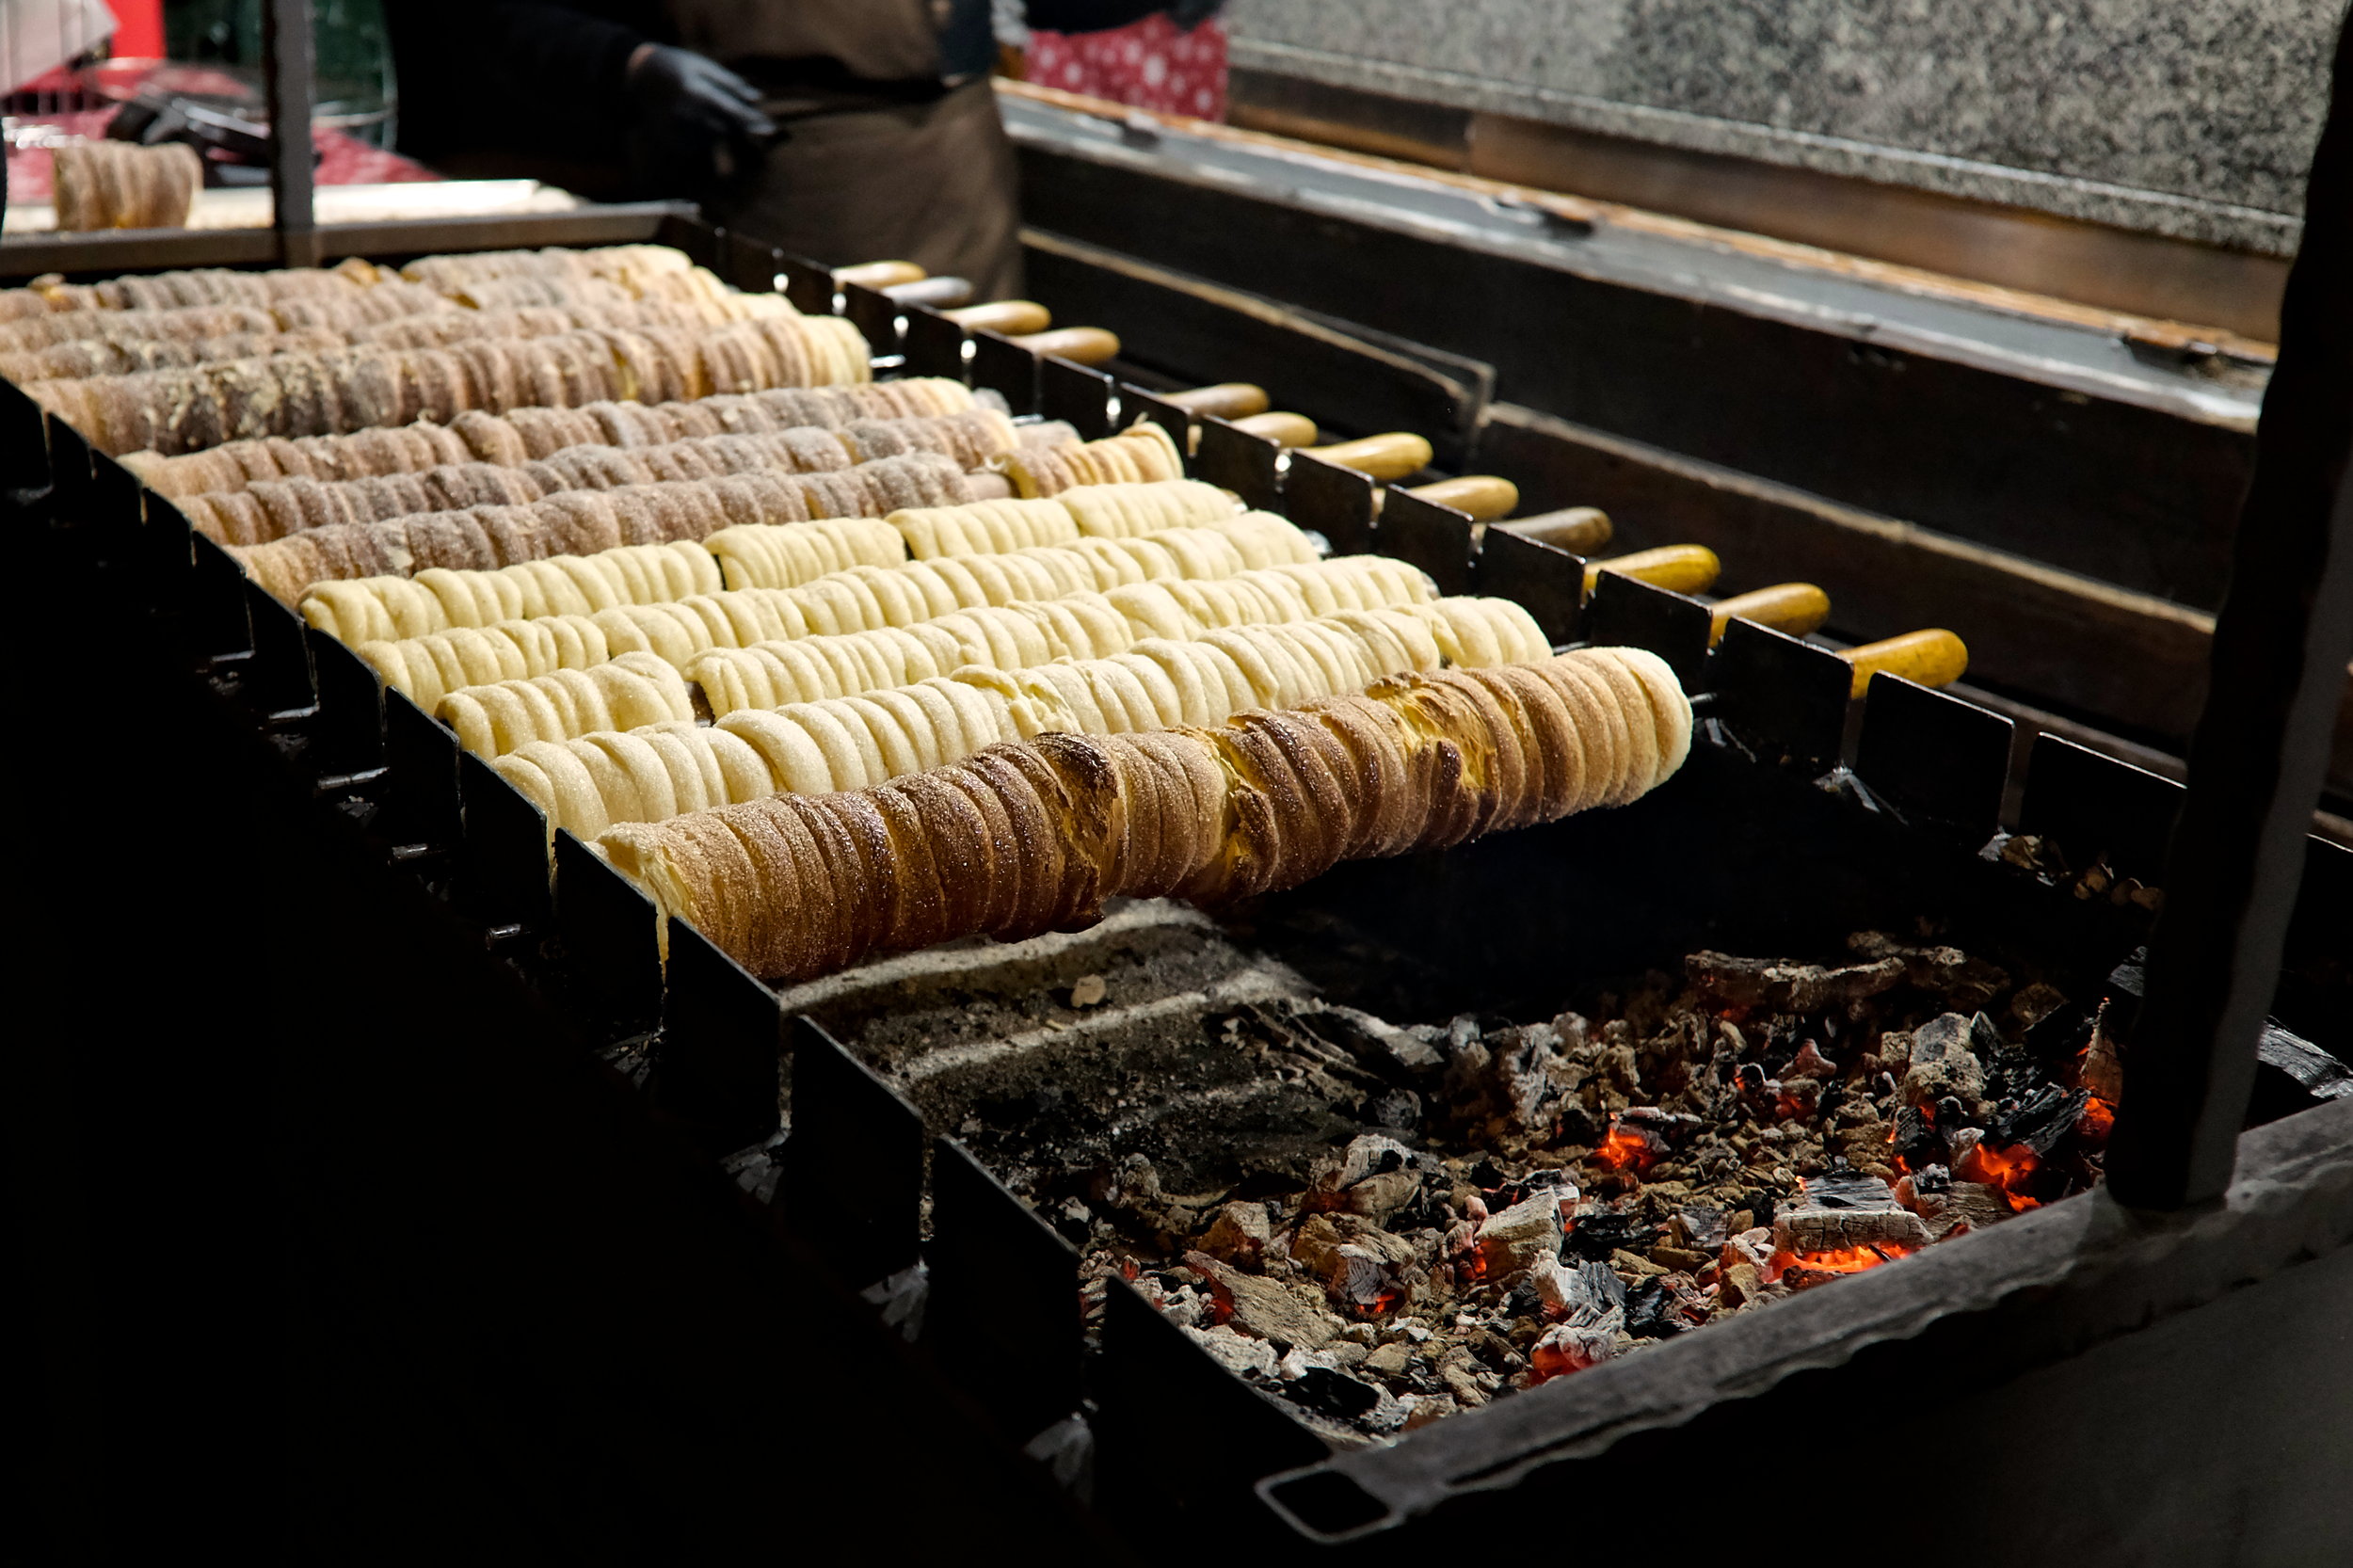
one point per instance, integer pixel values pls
(609, 932)
(1003, 1317)
(1626, 612)
(217, 624)
(421, 753)
(934, 344)
(1788, 695)
(349, 735)
(2096, 806)
(1075, 395)
(1003, 366)
(1433, 537)
(504, 843)
(279, 677)
(723, 1042)
(853, 1179)
(875, 315)
(1938, 760)
(1246, 464)
(1547, 582)
(1135, 403)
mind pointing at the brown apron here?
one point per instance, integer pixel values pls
(928, 178)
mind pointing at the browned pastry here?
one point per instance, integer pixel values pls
(121, 184)
(164, 291)
(172, 412)
(524, 435)
(1028, 836)
(580, 522)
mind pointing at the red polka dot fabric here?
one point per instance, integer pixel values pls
(1150, 65)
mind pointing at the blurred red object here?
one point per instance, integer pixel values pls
(138, 28)
(343, 159)
(1150, 65)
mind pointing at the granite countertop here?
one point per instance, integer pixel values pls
(2194, 119)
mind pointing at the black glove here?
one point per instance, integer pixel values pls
(696, 121)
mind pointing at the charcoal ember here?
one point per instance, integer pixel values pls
(1761, 1094)
(1944, 1062)
(1967, 984)
(1237, 1352)
(1461, 1375)
(1507, 1072)
(1800, 1098)
(1240, 1233)
(1809, 1063)
(2312, 1070)
(1654, 1311)
(1580, 1289)
(2100, 1068)
(2039, 1121)
(1752, 1248)
(1512, 1239)
(1400, 1109)
(1374, 1177)
(1760, 1205)
(1327, 1391)
(1567, 1348)
(1668, 1129)
(1830, 1230)
(1317, 1240)
(1918, 1143)
(1407, 1057)
(1264, 1307)
(1923, 1192)
(1966, 1205)
(1365, 1279)
(1554, 1181)
(1393, 1361)
(1637, 1264)
(1775, 987)
(2036, 1002)
(1742, 1285)
(1700, 1227)
(1595, 1235)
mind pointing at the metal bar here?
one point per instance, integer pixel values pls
(287, 60)
(2262, 745)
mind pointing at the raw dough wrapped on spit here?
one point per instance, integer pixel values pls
(496, 717)
(381, 608)
(1032, 836)
(1118, 511)
(867, 598)
(1105, 511)
(854, 741)
(580, 522)
(1141, 453)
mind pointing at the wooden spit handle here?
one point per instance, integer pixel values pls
(1578, 530)
(1932, 658)
(1085, 345)
(1225, 400)
(1391, 457)
(1282, 429)
(1484, 496)
(878, 275)
(1796, 608)
(939, 293)
(1682, 568)
(1013, 318)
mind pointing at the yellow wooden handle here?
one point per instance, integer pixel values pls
(1578, 530)
(878, 275)
(1226, 400)
(1391, 457)
(1012, 317)
(1282, 429)
(1086, 345)
(1484, 496)
(1932, 658)
(1796, 608)
(1682, 568)
(939, 293)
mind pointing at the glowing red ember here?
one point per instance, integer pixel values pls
(2007, 1171)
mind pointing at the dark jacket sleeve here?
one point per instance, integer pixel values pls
(560, 66)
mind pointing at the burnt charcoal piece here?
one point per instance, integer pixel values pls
(1529, 1185)
(2039, 1121)
(1403, 1057)
(1594, 1237)
(1523, 1302)
(1918, 1144)
(1650, 1310)
(1331, 1393)
(2318, 1072)
(2058, 1034)
(1761, 1205)
(1778, 986)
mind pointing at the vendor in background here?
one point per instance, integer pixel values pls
(842, 130)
